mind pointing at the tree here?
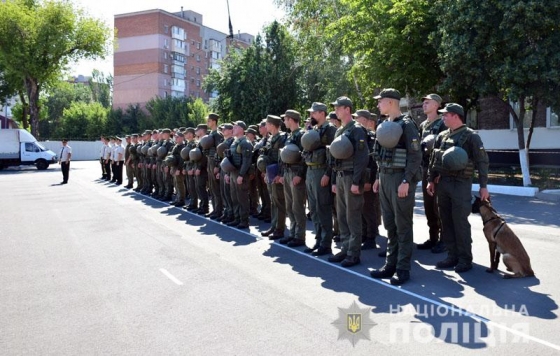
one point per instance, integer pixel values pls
(38, 39)
(506, 49)
(83, 121)
(198, 111)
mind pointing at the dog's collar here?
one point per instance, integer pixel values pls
(492, 218)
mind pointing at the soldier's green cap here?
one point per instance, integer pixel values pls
(365, 114)
(118, 139)
(135, 135)
(389, 93)
(453, 108)
(227, 126)
(433, 97)
(155, 132)
(213, 116)
(251, 130)
(241, 124)
(342, 101)
(147, 132)
(254, 127)
(273, 119)
(202, 127)
(179, 134)
(190, 129)
(263, 122)
(318, 107)
(332, 116)
(182, 128)
(292, 114)
(127, 136)
(166, 131)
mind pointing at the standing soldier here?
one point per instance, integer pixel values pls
(293, 171)
(175, 164)
(161, 153)
(262, 188)
(108, 156)
(350, 153)
(200, 171)
(146, 163)
(153, 163)
(335, 121)
(128, 156)
(270, 157)
(399, 157)
(113, 159)
(119, 161)
(319, 193)
(240, 155)
(225, 188)
(137, 162)
(213, 170)
(102, 157)
(167, 176)
(371, 214)
(189, 167)
(429, 129)
(251, 134)
(458, 151)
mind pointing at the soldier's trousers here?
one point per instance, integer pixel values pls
(349, 213)
(193, 191)
(454, 199)
(295, 196)
(129, 174)
(160, 179)
(108, 169)
(179, 181)
(371, 216)
(139, 176)
(397, 219)
(214, 185)
(226, 195)
(168, 182)
(264, 194)
(154, 180)
(201, 181)
(320, 204)
(240, 197)
(253, 193)
(148, 185)
(103, 172)
(430, 208)
(277, 206)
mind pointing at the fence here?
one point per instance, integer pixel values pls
(81, 150)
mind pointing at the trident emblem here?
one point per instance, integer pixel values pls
(354, 323)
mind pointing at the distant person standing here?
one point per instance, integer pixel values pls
(64, 161)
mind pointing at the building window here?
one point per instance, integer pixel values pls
(198, 45)
(198, 57)
(166, 68)
(552, 117)
(164, 55)
(197, 70)
(165, 29)
(198, 83)
(166, 43)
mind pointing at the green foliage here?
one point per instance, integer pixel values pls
(82, 120)
(198, 111)
(172, 112)
(38, 39)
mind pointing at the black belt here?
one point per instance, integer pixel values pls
(319, 166)
(391, 170)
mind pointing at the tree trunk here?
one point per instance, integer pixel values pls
(523, 152)
(535, 105)
(24, 111)
(33, 96)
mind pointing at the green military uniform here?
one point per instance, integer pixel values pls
(228, 214)
(348, 172)
(129, 168)
(430, 201)
(201, 182)
(454, 190)
(371, 214)
(167, 177)
(214, 185)
(295, 195)
(191, 180)
(137, 168)
(262, 188)
(320, 198)
(177, 174)
(278, 203)
(241, 152)
(154, 171)
(160, 192)
(147, 172)
(396, 166)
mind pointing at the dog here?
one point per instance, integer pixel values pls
(502, 240)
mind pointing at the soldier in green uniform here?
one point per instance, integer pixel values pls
(213, 170)
(128, 162)
(251, 134)
(167, 177)
(136, 159)
(271, 156)
(228, 214)
(264, 195)
(429, 129)
(350, 161)
(319, 171)
(371, 214)
(458, 151)
(176, 169)
(201, 173)
(293, 171)
(335, 121)
(399, 173)
(240, 155)
(189, 167)
(152, 153)
(146, 169)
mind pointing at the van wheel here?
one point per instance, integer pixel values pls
(42, 165)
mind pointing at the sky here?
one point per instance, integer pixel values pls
(247, 16)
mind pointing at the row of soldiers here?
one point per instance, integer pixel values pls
(343, 165)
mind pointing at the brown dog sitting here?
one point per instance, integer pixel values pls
(502, 240)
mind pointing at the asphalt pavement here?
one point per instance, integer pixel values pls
(92, 268)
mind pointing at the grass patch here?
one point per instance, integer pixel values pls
(541, 177)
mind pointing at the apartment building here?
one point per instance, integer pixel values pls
(166, 54)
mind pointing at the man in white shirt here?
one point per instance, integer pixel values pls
(64, 161)
(119, 162)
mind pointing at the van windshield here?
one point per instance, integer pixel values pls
(41, 146)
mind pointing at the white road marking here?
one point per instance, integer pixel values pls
(171, 277)
(452, 308)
